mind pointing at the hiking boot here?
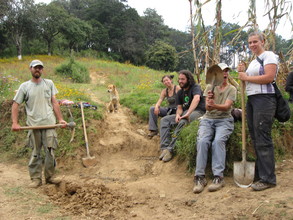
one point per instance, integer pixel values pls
(164, 152)
(168, 156)
(259, 186)
(152, 134)
(218, 183)
(35, 183)
(199, 183)
(53, 180)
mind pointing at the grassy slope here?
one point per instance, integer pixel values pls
(139, 88)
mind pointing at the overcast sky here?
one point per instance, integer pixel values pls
(176, 13)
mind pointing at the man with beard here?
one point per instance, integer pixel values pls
(214, 130)
(190, 106)
(42, 108)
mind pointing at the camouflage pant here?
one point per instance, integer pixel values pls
(46, 138)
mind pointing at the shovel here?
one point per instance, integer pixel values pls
(88, 160)
(214, 76)
(243, 171)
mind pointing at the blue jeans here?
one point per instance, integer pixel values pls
(153, 118)
(260, 116)
(213, 133)
(167, 123)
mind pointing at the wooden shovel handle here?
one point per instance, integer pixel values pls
(243, 121)
(84, 131)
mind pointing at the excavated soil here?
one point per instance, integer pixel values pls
(129, 182)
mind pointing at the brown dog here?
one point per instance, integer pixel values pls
(114, 98)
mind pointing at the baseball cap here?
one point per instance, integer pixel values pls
(36, 63)
(224, 66)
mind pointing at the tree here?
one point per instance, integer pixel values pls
(153, 26)
(19, 20)
(162, 56)
(76, 32)
(50, 21)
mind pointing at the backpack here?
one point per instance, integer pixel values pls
(282, 113)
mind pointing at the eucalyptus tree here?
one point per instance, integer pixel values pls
(19, 21)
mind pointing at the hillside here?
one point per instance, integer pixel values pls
(129, 182)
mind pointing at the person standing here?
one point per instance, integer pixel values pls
(215, 128)
(157, 111)
(190, 106)
(260, 108)
(289, 86)
(42, 108)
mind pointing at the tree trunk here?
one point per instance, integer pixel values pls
(49, 48)
(19, 48)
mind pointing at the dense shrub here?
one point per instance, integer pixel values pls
(74, 70)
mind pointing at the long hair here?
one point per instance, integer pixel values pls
(189, 76)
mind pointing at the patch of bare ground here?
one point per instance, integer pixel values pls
(129, 182)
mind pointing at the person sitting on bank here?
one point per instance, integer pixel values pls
(215, 128)
(157, 111)
(190, 106)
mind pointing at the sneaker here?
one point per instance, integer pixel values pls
(164, 152)
(200, 183)
(53, 180)
(218, 183)
(35, 183)
(168, 156)
(152, 134)
(259, 186)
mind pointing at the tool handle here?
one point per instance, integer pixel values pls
(243, 121)
(41, 127)
(84, 131)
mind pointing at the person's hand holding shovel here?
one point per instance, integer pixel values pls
(241, 71)
(210, 100)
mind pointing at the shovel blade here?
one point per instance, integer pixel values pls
(243, 173)
(89, 161)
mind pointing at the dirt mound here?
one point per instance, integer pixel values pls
(89, 199)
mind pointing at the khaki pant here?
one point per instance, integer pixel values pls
(46, 138)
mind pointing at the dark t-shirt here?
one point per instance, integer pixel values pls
(185, 98)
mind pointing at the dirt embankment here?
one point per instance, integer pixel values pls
(129, 182)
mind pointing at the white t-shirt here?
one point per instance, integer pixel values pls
(38, 103)
(255, 69)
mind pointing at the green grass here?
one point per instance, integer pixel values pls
(139, 88)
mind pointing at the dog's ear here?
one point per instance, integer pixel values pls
(114, 87)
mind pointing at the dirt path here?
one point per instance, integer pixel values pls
(129, 182)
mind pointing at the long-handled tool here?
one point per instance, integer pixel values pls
(243, 171)
(88, 160)
(214, 76)
(69, 125)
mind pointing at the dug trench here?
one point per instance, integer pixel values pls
(129, 182)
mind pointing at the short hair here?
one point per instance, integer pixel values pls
(189, 76)
(259, 34)
(168, 76)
